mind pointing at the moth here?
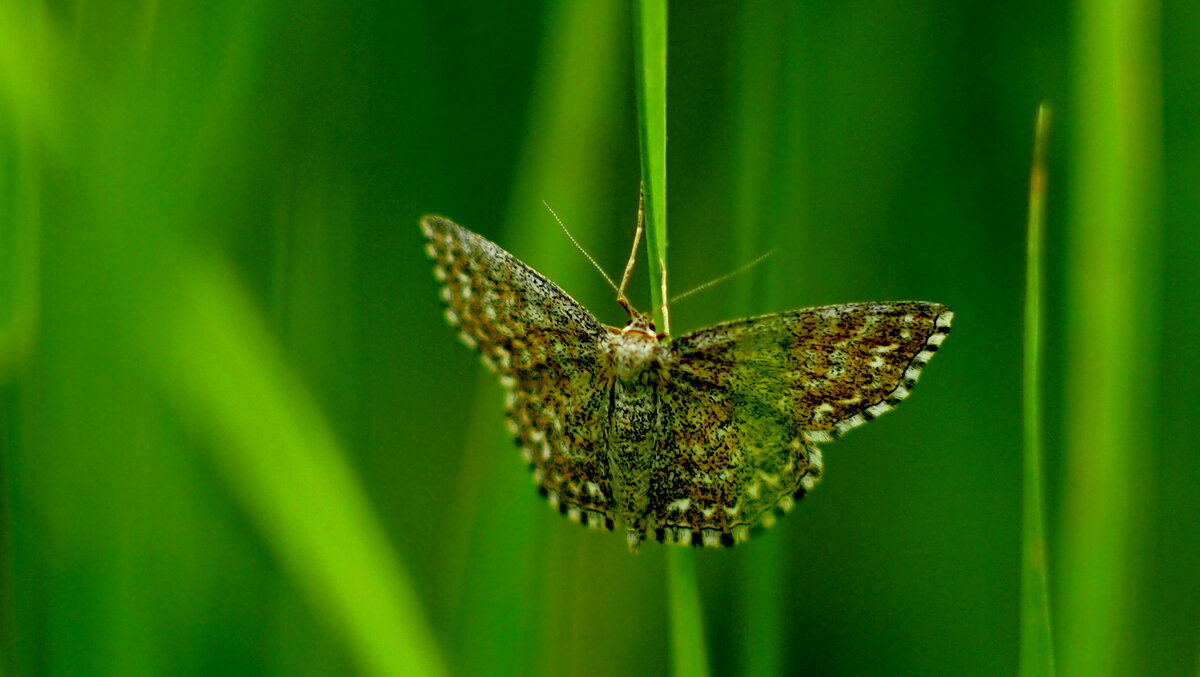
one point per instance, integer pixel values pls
(699, 439)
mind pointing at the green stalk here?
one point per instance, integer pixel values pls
(1111, 329)
(650, 51)
(688, 654)
(1037, 647)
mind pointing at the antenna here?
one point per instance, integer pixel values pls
(620, 293)
(719, 280)
(637, 238)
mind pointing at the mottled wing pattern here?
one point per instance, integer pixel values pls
(544, 347)
(748, 400)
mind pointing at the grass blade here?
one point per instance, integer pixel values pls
(688, 654)
(1037, 648)
(1111, 329)
(650, 51)
(278, 456)
(759, 143)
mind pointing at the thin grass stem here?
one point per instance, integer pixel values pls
(1037, 647)
(689, 656)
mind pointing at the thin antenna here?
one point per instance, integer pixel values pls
(637, 237)
(584, 251)
(719, 280)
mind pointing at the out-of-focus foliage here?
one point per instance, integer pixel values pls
(236, 436)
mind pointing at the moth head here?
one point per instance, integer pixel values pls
(639, 323)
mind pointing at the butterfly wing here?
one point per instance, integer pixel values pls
(544, 347)
(748, 400)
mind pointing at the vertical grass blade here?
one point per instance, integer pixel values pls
(761, 109)
(1037, 648)
(30, 125)
(650, 52)
(688, 654)
(1111, 328)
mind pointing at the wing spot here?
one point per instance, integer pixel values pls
(852, 422)
(878, 409)
(633, 539)
(816, 461)
(767, 477)
(679, 505)
(468, 340)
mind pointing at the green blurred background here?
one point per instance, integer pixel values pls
(236, 436)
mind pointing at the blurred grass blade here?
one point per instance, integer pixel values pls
(20, 238)
(757, 180)
(689, 656)
(30, 125)
(31, 56)
(274, 448)
(688, 653)
(1111, 331)
(650, 70)
(1037, 647)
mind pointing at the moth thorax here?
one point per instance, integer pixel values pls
(633, 352)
